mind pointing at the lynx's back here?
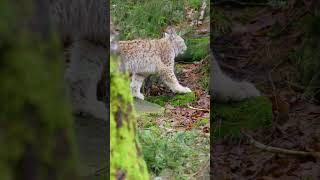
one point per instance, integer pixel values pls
(143, 55)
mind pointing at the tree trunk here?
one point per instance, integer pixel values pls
(126, 161)
(36, 127)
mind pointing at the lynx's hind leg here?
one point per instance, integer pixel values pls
(136, 83)
(82, 77)
(171, 80)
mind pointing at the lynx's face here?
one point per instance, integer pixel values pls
(176, 40)
(180, 44)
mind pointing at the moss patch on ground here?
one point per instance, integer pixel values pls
(230, 119)
(176, 100)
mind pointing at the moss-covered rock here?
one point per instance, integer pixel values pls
(126, 159)
(176, 100)
(230, 119)
(144, 107)
(197, 49)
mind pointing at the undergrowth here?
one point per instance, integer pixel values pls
(174, 154)
(230, 119)
(307, 57)
(145, 19)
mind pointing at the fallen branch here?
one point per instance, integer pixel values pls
(203, 8)
(199, 109)
(280, 150)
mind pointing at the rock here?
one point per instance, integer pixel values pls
(145, 107)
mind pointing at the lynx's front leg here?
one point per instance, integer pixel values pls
(171, 80)
(136, 83)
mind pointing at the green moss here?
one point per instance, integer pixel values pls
(202, 122)
(176, 100)
(125, 151)
(35, 114)
(230, 119)
(197, 49)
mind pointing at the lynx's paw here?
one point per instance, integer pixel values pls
(235, 91)
(181, 89)
(186, 90)
(139, 96)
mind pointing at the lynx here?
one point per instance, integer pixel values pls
(86, 24)
(145, 57)
(225, 89)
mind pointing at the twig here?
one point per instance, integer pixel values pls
(199, 109)
(280, 150)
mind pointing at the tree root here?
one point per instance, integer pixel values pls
(280, 150)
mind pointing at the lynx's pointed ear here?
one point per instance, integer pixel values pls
(166, 35)
(170, 30)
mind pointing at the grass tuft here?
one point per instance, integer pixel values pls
(176, 100)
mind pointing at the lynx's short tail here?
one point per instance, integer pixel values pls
(225, 89)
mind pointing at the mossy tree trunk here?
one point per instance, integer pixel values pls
(35, 120)
(126, 161)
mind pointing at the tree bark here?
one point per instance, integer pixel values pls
(126, 161)
(36, 127)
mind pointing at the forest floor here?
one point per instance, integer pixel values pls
(176, 143)
(258, 49)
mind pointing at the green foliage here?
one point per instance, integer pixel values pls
(141, 19)
(172, 151)
(176, 100)
(195, 4)
(308, 55)
(197, 49)
(202, 122)
(125, 148)
(230, 119)
(221, 23)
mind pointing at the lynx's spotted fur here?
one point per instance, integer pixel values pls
(145, 57)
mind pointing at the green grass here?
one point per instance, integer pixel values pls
(176, 100)
(230, 119)
(169, 152)
(174, 152)
(202, 122)
(221, 22)
(145, 19)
